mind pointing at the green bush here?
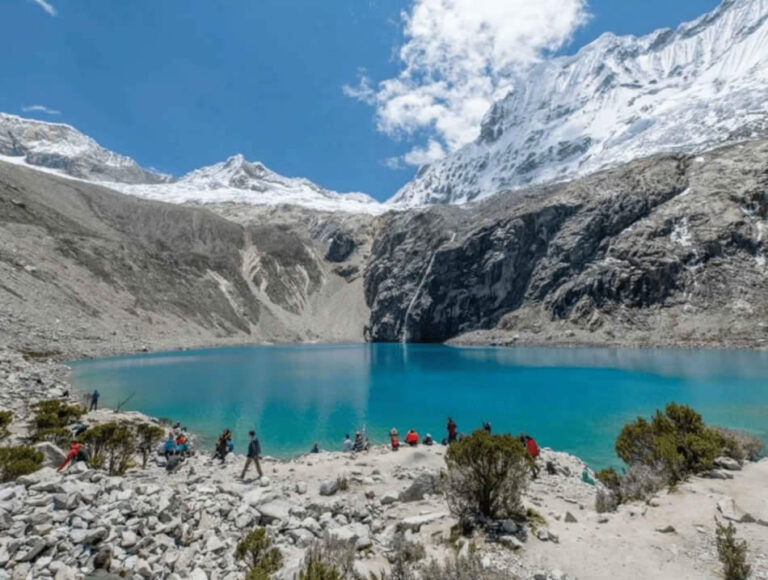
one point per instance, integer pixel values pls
(148, 438)
(675, 442)
(316, 568)
(257, 551)
(59, 436)
(486, 475)
(111, 445)
(732, 553)
(51, 416)
(17, 461)
(609, 478)
(6, 418)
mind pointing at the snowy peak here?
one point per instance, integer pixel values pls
(63, 148)
(618, 99)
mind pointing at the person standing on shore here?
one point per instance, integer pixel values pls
(451, 431)
(254, 453)
(94, 400)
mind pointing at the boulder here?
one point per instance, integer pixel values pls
(414, 523)
(389, 498)
(53, 456)
(730, 511)
(329, 487)
(352, 533)
(421, 486)
(570, 518)
(666, 530)
(511, 542)
(728, 463)
(301, 488)
(275, 510)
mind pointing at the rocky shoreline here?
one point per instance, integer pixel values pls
(186, 523)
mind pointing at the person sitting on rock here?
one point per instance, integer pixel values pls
(428, 440)
(224, 445)
(412, 438)
(359, 444)
(393, 440)
(254, 452)
(315, 448)
(169, 447)
(347, 445)
(76, 453)
(182, 444)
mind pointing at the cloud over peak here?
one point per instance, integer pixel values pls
(40, 109)
(457, 58)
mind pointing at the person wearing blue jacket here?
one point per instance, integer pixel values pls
(254, 452)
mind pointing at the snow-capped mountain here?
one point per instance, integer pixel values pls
(63, 148)
(239, 181)
(617, 99)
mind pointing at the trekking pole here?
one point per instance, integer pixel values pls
(121, 405)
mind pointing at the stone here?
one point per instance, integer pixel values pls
(730, 511)
(198, 574)
(301, 488)
(509, 526)
(542, 534)
(46, 474)
(727, 463)
(275, 510)
(329, 487)
(53, 456)
(214, 544)
(425, 483)
(350, 533)
(717, 474)
(511, 542)
(666, 530)
(128, 539)
(414, 523)
(570, 518)
(142, 568)
(36, 547)
(389, 498)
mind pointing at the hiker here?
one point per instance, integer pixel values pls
(169, 447)
(102, 561)
(182, 443)
(533, 450)
(487, 426)
(412, 438)
(254, 452)
(428, 440)
(359, 444)
(347, 445)
(315, 448)
(76, 453)
(451, 431)
(94, 400)
(78, 429)
(393, 439)
(223, 445)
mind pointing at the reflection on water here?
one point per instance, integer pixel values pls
(571, 399)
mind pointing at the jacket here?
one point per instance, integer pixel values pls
(254, 448)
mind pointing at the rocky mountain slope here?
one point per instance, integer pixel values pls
(668, 250)
(63, 150)
(87, 270)
(664, 251)
(618, 99)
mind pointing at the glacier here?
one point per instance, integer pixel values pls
(619, 98)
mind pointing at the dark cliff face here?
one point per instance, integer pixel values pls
(618, 245)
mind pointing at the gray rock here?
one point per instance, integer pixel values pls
(389, 498)
(414, 523)
(329, 487)
(728, 463)
(275, 510)
(666, 530)
(53, 455)
(511, 542)
(425, 483)
(570, 518)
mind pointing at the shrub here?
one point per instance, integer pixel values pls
(53, 415)
(732, 553)
(112, 445)
(609, 478)
(59, 436)
(343, 483)
(640, 482)
(486, 475)
(17, 461)
(740, 445)
(148, 438)
(257, 551)
(6, 418)
(675, 442)
(404, 556)
(606, 501)
(468, 567)
(316, 568)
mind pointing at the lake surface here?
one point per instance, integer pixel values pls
(574, 400)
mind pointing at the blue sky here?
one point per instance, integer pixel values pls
(177, 85)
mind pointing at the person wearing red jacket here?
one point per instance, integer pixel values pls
(76, 453)
(394, 440)
(451, 431)
(412, 438)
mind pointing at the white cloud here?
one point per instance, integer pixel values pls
(45, 6)
(457, 59)
(40, 109)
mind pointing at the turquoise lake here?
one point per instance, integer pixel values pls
(574, 400)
